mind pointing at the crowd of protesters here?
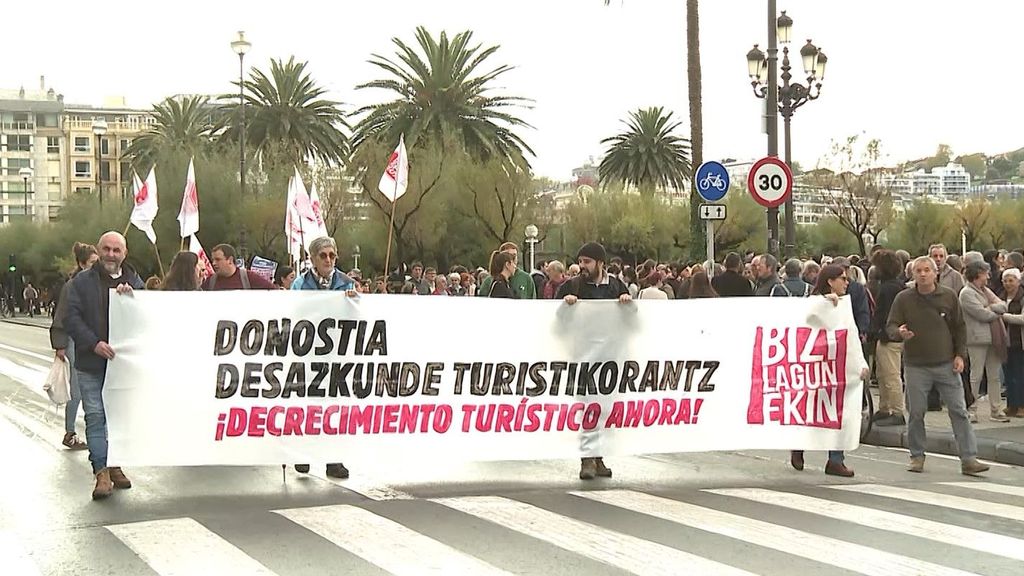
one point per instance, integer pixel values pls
(936, 329)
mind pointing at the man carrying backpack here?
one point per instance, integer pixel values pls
(793, 285)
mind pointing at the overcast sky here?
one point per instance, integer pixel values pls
(913, 73)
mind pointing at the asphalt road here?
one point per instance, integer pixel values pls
(672, 514)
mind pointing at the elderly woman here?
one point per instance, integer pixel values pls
(1014, 367)
(986, 337)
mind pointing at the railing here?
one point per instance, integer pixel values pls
(18, 126)
(136, 124)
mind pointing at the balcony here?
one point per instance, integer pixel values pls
(131, 124)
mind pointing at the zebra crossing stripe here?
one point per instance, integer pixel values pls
(837, 553)
(989, 487)
(182, 546)
(623, 551)
(934, 499)
(15, 558)
(879, 519)
(386, 543)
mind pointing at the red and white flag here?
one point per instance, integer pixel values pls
(395, 179)
(196, 248)
(146, 207)
(318, 213)
(188, 216)
(300, 226)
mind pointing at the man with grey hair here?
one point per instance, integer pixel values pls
(324, 275)
(766, 273)
(947, 277)
(555, 271)
(972, 256)
(927, 319)
(87, 323)
(793, 285)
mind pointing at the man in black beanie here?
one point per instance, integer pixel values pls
(593, 283)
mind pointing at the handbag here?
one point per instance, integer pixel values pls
(58, 382)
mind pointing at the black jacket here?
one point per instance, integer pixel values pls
(731, 283)
(88, 313)
(887, 292)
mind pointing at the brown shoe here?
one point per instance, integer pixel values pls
(973, 468)
(588, 468)
(72, 442)
(103, 487)
(916, 465)
(796, 459)
(337, 471)
(602, 470)
(833, 469)
(118, 479)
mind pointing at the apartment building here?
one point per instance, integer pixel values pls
(31, 154)
(97, 137)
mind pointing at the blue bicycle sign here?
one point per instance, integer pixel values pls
(712, 180)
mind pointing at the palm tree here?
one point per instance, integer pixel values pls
(693, 84)
(443, 97)
(182, 124)
(286, 116)
(648, 154)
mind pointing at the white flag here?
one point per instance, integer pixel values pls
(395, 179)
(146, 207)
(188, 216)
(318, 213)
(196, 248)
(300, 221)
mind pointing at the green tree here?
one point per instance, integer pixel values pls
(975, 164)
(630, 226)
(648, 154)
(181, 124)
(974, 218)
(444, 97)
(287, 118)
(943, 155)
(499, 198)
(923, 224)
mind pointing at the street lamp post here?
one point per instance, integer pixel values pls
(99, 128)
(25, 174)
(788, 97)
(531, 239)
(240, 46)
(355, 255)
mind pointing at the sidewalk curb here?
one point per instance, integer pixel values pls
(943, 442)
(24, 323)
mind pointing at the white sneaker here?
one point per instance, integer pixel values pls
(1000, 417)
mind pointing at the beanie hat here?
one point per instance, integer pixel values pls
(592, 250)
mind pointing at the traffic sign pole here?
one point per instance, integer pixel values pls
(711, 247)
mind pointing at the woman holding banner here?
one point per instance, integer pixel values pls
(831, 284)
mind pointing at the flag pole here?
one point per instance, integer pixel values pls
(391, 231)
(158, 261)
(182, 247)
(126, 228)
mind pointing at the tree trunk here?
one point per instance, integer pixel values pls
(693, 82)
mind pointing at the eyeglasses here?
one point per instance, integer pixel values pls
(328, 255)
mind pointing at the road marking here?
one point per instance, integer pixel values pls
(29, 353)
(16, 559)
(844, 555)
(364, 486)
(930, 455)
(946, 533)
(19, 444)
(934, 499)
(41, 430)
(182, 546)
(386, 543)
(614, 548)
(990, 487)
(31, 378)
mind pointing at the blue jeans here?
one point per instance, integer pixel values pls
(1014, 369)
(71, 408)
(91, 386)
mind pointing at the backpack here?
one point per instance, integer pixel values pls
(789, 293)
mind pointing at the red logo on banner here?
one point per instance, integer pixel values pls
(798, 377)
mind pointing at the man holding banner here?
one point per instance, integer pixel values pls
(593, 283)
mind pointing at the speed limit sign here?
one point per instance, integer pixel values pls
(770, 182)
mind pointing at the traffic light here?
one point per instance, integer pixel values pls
(12, 263)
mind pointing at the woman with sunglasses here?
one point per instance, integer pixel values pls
(832, 283)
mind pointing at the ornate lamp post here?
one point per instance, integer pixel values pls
(790, 95)
(25, 174)
(355, 255)
(99, 128)
(240, 46)
(531, 238)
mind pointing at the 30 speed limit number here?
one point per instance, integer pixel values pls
(770, 182)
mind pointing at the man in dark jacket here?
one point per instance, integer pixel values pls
(87, 324)
(766, 270)
(858, 299)
(793, 285)
(731, 282)
(888, 352)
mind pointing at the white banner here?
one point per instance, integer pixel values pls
(241, 378)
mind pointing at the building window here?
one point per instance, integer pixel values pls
(52, 145)
(125, 172)
(17, 187)
(14, 165)
(46, 120)
(83, 169)
(21, 121)
(104, 171)
(125, 143)
(104, 146)
(19, 143)
(81, 143)
(83, 190)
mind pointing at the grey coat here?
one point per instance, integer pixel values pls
(979, 314)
